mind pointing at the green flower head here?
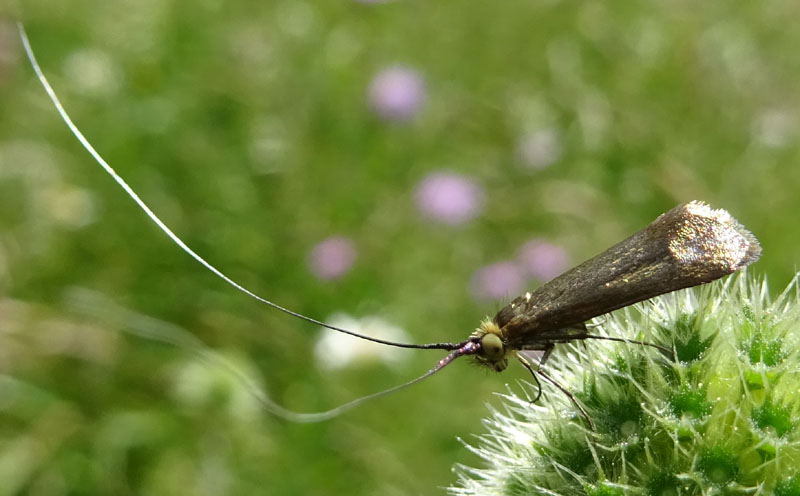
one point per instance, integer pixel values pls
(720, 416)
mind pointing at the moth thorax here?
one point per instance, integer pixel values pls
(493, 350)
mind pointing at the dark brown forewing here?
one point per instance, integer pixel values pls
(689, 245)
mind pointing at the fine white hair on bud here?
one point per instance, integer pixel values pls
(723, 413)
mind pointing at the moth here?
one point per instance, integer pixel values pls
(691, 244)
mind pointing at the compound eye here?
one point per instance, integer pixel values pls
(492, 346)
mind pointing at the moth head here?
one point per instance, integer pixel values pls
(492, 352)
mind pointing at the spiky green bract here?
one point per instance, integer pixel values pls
(720, 417)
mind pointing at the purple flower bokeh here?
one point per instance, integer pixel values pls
(542, 260)
(332, 258)
(497, 281)
(449, 198)
(397, 93)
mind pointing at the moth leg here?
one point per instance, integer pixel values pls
(528, 366)
(571, 397)
(600, 323)
(548, 349)
(668, 352)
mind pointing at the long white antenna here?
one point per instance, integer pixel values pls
(186, 340)
(174, 237)
(103, 309)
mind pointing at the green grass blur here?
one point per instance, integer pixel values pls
(246, 126)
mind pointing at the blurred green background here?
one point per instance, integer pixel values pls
(248, 127)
